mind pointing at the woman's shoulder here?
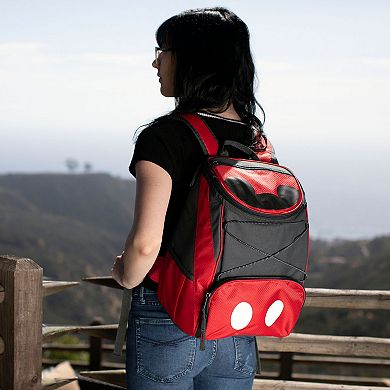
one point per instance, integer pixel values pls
(169, 128)
(167, 142)
(166, 122)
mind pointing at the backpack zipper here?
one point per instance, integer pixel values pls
(250, 165)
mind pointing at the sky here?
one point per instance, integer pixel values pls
(76, 81)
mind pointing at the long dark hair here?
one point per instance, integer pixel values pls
(213, 64)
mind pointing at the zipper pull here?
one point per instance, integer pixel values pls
(203, 334)
(202, 341)
(203, 325)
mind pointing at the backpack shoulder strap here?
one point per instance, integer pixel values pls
(204, 135)
(267, 152)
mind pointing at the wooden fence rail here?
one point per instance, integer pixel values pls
(22, 289)
(315, 297)
(328, 345)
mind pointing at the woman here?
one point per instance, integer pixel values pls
(204, 62)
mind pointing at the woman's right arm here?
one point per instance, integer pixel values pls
(154, 186)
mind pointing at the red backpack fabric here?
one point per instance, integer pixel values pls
(237, 261)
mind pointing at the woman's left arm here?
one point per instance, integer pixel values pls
(154, 186)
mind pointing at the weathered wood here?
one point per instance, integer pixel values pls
(102, 331)
(118, 377)
(315, 297)
(327, 345)
(2, 293)
(51, 384)
(51, 287)
(341, 360)
(269, 384)
(347, 299)
(95, 349)
(299, 343)
(20, 323)
(269, 374)
(107, 281)
(115, 377)
(1, 345)
(81, 365)
(342, 379)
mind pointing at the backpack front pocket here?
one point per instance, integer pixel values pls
(253, 306)
(264, 248)
(257, 186)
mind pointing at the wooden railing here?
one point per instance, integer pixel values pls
(22, 337)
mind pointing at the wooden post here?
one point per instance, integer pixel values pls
(20, 324)
(285, 365)
(95, 348)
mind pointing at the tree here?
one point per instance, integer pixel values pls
(87, 167)
(72, 164)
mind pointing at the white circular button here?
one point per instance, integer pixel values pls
(273, 312)
(241, 316)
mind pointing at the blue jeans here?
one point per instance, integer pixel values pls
(160, 356)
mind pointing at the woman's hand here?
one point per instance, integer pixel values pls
(117, 270)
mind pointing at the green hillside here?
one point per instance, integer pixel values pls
(74, 225)
(95, 199)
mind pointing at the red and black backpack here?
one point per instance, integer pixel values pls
(237, 261)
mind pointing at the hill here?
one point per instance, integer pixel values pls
(348, 264)
(355, 264)
(74, 225)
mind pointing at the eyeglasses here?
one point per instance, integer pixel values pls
(158, 51)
